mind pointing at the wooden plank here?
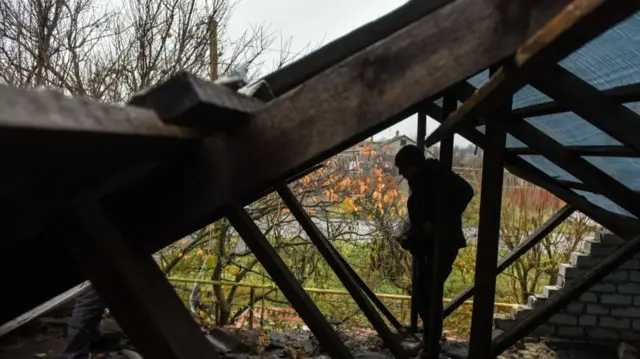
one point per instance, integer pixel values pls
(413, 314)
(571, 28)
(599, 151)
(134, 288)
(586, 101)
(329, 253)
(489, 232)
(299, 71)
(532, 240)
(187, 100)
(575, 165)
(43, 308)
(621, 94)
(566, 295)
(288, 284)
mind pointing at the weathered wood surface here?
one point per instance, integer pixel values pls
(287, 282)
(571, 28)
(132, 285)
(357, 97)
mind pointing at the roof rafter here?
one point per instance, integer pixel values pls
(577, 24)
(620, 94)
(523, 169)
(599, 151)
(576, 165)
(587, 102)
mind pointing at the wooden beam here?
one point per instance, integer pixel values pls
(575, 165)
(288, 284)
(413, 318)
(523, 169)
(566, 295)
(133, 287)
(571, 28)
(341, 269)
(306, 125)
(621, 94)
(489, 232)
(586, 101)
(532, 240)
(599, 151)
(433, 327)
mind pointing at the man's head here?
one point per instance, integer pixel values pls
(409, 161)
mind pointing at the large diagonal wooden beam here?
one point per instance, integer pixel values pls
(566, 295)
(616, 223)
(341, 269)
(288, 284)
(606, 114)
(573, 27)
(575, 165)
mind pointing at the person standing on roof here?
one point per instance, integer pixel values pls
(424, 177)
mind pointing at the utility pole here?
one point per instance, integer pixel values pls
(213, 51)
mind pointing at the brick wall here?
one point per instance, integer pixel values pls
(610, 310)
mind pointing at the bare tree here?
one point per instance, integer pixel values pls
(107, 53)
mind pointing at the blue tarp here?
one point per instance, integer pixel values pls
(609, 61)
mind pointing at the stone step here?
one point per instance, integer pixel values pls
(609, 239)
(536, 301)
(567, 273)
(550, 290)
(594, 248)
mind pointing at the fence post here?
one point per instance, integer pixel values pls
(252, 301)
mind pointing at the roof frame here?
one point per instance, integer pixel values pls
(573, 27)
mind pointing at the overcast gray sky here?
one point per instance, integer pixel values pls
(314, 22)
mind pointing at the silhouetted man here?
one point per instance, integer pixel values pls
(425, 177)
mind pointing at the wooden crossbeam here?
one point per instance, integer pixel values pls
(489, 232)
(621, 94)
(532, 240)
(566, 295)
(606, 114)
(288, 284)
(132, 285)
(573, 27)
(576, 165)
(333, 258)
(616, 223)
(599, 151)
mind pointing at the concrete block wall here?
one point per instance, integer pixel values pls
(609, 311)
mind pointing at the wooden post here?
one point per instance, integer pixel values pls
(132, 285)
(213, 50)
(434, 325)
(252, 302)
(488, 233)
(421, 135)
(282, 276)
